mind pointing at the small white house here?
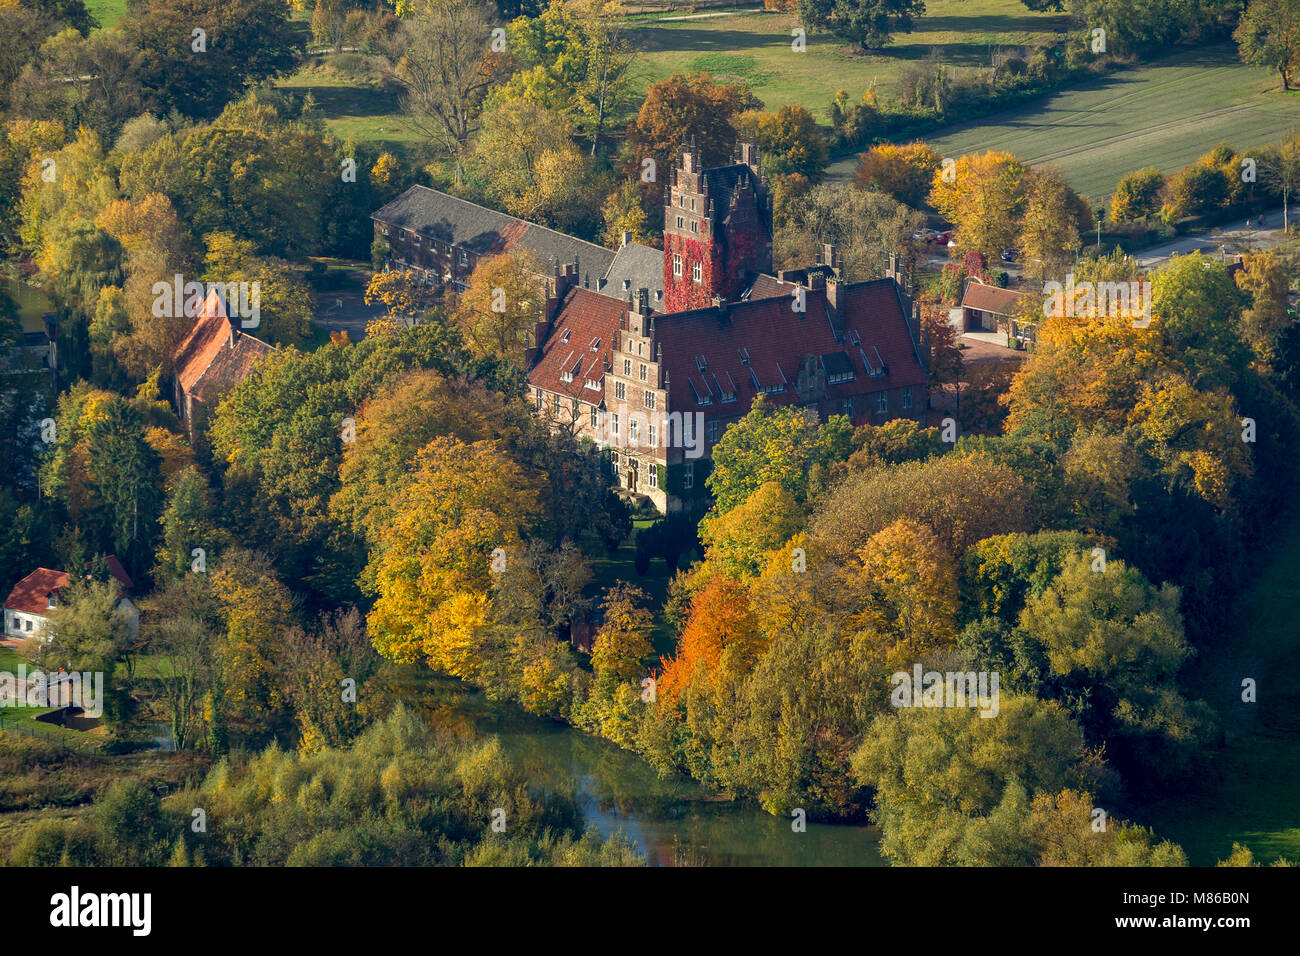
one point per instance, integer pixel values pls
(27, 609)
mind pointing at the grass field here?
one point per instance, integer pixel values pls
(1164, 114)
(106, 12)
(754, 46)
(1251, 796)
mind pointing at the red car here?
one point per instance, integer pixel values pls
(942, 238)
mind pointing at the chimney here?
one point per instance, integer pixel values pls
(627, 237)
(833, 291)
(816, 281)
(830, 254)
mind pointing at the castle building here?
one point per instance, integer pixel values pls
(652, 354)
(717, 230)
(656, 380)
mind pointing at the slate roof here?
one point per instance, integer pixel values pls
(754, 344)
(642, 267)
(583, 317)
(208, 362)
(31, 594)
(719, 183)
(486, 232)
(990, 298)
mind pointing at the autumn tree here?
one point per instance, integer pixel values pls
(285, 300)
(962, 499)
(532, 167)
(1050, 222)
(1137, 195)
(443, 61)
(738, 540)
(904, 172)
(720, 627)
(1265, 278)
(502, 305)
(686, 107)
(944, 361)
(789, 141)
(432, 563)
(623, 643)
(574, 58)
(328, 672)
(403, 292)
(255, 608)
(983, 197)
(905, 583)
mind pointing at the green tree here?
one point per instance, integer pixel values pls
(869, 23)
(1268, 35)
(245, 42)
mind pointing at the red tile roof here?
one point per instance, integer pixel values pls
(750, 345)
(116, 570)
(990, 298)
(31, 594)
(214, 357)
(583, 317)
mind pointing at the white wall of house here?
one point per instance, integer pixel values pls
(22, 625)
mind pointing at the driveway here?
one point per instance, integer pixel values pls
(1259, 232)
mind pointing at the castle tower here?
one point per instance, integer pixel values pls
(717, 229)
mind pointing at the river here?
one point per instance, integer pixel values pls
(674, 821)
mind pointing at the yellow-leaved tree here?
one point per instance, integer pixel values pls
(451, 527)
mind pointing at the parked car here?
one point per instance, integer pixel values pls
(1008, 255)
(943, 238)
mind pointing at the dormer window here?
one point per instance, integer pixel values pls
(51, 600)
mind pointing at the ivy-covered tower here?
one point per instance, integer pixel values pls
(717, 229)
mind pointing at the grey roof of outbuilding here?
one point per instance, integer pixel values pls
(484, 231)
(641, 266)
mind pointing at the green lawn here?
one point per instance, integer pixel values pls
(1250, 796)
(106, 12)
(1165, 114)
(354, 109)
(755, 47)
